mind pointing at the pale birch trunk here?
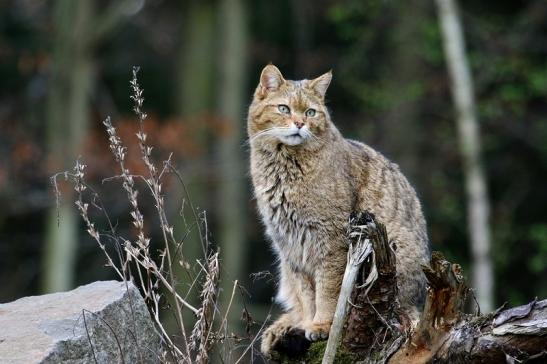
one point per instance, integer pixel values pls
(468, 130)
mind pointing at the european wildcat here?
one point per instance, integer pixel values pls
(307, 180)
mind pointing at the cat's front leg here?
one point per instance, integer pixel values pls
(327, 288)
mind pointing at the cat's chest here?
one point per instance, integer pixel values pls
(283, 203)
(290, 222)
(299, 200)
(299, 210)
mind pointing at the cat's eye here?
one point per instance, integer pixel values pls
(310, 113)
(284, 109)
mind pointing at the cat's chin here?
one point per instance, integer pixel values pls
(292, 140)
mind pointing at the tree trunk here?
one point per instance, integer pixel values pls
(193, 104)
(478, 205)
(77, 32)
(404, 83)
(67, 119)
(302, 18)
(231, 100)
(195, 66)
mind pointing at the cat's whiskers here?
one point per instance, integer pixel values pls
(308, 133)
(259, 134)
(278, 132)
(268, 132)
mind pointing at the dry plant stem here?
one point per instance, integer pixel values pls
(145, 262)
(156, 188)
(356, 256)
(203, 326)
(224, 323)
(118, 150)
(201, 234)
(150, 275)
(80, 187)
(83, 207)
(258, 334)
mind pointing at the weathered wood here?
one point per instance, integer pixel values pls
(446, 295)
(478, 340)
(376, 331)
(359, 250)
(373, 316)
(446, 334)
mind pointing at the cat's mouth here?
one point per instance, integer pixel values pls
(292, 139)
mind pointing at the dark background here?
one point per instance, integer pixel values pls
(390, 89)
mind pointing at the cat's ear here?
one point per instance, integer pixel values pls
(271, 79)
(321, 83)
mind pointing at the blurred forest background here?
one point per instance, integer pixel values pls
(65, 65)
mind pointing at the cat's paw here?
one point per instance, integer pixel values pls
(284, 339)
(317, 330)
(272, 335)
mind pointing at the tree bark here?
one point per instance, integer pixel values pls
(231, 100)
(376, 331)
(478, 205)
(446, 335)
(360, 250)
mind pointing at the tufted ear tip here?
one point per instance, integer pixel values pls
(271, 78)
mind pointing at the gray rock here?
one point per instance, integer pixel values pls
(102, 322)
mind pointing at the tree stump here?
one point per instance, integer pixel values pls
(373, 316)
(376, 331)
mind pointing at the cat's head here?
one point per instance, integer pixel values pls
(289, 112)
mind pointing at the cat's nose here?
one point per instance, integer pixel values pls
(299, 124)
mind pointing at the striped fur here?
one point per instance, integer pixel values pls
(305, 194)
